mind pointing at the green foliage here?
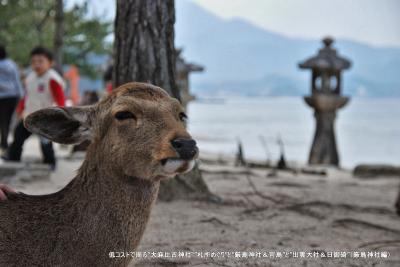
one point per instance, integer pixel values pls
(24, 24)
(84, 36)
(27, 23)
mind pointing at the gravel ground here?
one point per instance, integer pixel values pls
(279, 214)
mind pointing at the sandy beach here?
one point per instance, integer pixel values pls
(279, 213)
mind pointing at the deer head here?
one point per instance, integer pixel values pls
(139, 131)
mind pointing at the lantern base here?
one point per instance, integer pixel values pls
(323, 149)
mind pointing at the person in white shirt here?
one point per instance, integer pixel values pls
(44, 88)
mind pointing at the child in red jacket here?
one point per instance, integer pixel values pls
(44, 88)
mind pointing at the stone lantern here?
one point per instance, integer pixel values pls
(325, 99)
(183, 69)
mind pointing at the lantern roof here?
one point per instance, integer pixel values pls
(327, 59)
(183, 66)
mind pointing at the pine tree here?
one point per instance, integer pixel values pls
(144, 52)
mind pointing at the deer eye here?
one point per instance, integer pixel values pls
(183, 117)
(124, 115)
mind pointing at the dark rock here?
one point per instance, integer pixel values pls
(371, 171)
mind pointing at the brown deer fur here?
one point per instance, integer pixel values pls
(106, 206)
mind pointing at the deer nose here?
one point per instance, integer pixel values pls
(186, 148)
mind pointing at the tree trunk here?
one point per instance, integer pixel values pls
(59, 35)
(144, 43)
(397, 205)
(144, 52)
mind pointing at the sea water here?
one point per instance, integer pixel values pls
(367, 129)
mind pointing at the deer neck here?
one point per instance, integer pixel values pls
(113, 205)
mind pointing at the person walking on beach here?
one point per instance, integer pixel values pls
(44, 88)
(10, 92)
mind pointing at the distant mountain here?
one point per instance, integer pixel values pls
(241, 58)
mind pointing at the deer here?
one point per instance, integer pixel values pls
(137, 138)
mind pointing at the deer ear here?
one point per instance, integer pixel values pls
(70, 125)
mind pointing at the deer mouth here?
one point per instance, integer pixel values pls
(173, 166)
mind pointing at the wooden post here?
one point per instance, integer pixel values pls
(59, 35)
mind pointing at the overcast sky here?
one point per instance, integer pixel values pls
(376, 22)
